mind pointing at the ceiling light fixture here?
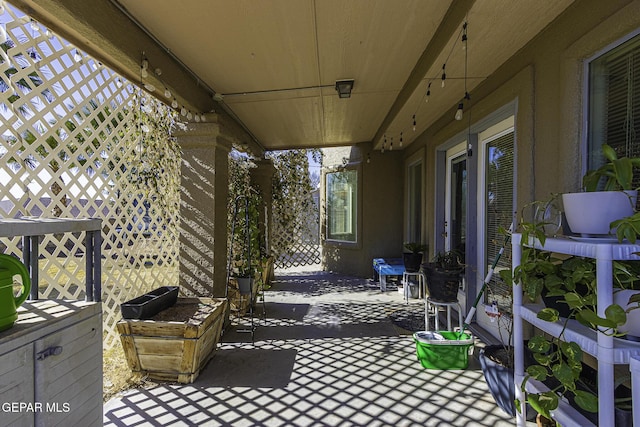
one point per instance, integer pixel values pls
(344, 88)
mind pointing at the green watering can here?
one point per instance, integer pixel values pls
(9, 302)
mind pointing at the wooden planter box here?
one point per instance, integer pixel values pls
(176, 343)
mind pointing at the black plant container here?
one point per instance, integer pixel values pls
(150, 304)
(442, 284)
(500, 380)
(412, 261)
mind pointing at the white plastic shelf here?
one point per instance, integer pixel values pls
(607, 350)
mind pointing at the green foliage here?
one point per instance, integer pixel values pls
(415, 247)
(244, 197)
(448, 261)
(615, 174)
(292, 188)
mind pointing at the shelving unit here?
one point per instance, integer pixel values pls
(607, 350)
(32, 228)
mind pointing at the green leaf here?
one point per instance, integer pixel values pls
(539, 344)
(616, 314)
(588, 316)
(563, 373)
(537, 372)
(543, 403)
(587, 401)
(549, 315)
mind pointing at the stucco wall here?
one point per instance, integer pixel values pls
(380, 227)
(545, 84)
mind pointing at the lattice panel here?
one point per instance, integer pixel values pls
(302, 247)
(70, 147)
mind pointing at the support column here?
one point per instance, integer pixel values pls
(262, 179)
(203, 209)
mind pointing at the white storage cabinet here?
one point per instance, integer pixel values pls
(51, 365)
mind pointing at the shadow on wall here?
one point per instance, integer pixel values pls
(196, 255)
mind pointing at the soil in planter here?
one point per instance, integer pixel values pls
(183, 312)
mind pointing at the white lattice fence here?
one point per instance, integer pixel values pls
(71, 148)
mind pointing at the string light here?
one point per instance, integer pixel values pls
(444, 74)
(400, 139)
(34, 25)
(428, 92)
(458, 115)
(197, 118)
(414, 122)
(391, 145)
(174, 103)
(189, 115)
(183, 111)
(464, 36)
(77, 56)
(167, 93)
(368, 157)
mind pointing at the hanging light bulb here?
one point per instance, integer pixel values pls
(428, 92)
(167, 93)
(119, 82)
(197, 118)
(189, 115)
(77, 56)
(34, 25)
(144, 73)
(174, 103)
(382, 148)
(183, 111)
(400, 139)
(414, 122)
(444, 75)
(368, 157)
(459, 111)
(48, 33)
(391, 145)
(464, 36)
(203, 117)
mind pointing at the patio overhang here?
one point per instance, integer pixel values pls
(271, 67)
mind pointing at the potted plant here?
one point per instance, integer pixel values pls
(615, 200)
(572, 280)
(443, 275)
(413, 258)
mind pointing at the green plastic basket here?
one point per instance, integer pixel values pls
(443, 349)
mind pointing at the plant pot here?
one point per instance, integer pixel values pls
(412, 261)
(442, 285)
(499, 378)
(244, 284)
(150, 304)
(632, 326)
(591, 213)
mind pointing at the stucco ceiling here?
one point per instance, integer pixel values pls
(274, 63)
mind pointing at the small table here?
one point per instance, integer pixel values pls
(406, 283)
(429, 303)
(384, 267)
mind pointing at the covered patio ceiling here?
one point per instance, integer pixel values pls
(271, 65)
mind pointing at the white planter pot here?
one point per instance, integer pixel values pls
(591, 213)
(621, 297)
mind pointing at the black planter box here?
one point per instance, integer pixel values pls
(150, 304)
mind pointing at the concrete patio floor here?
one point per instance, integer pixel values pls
(327, 354)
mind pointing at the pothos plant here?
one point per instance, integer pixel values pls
(573, 279)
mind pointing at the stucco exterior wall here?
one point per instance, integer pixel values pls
(545, 84)
(381, 209)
